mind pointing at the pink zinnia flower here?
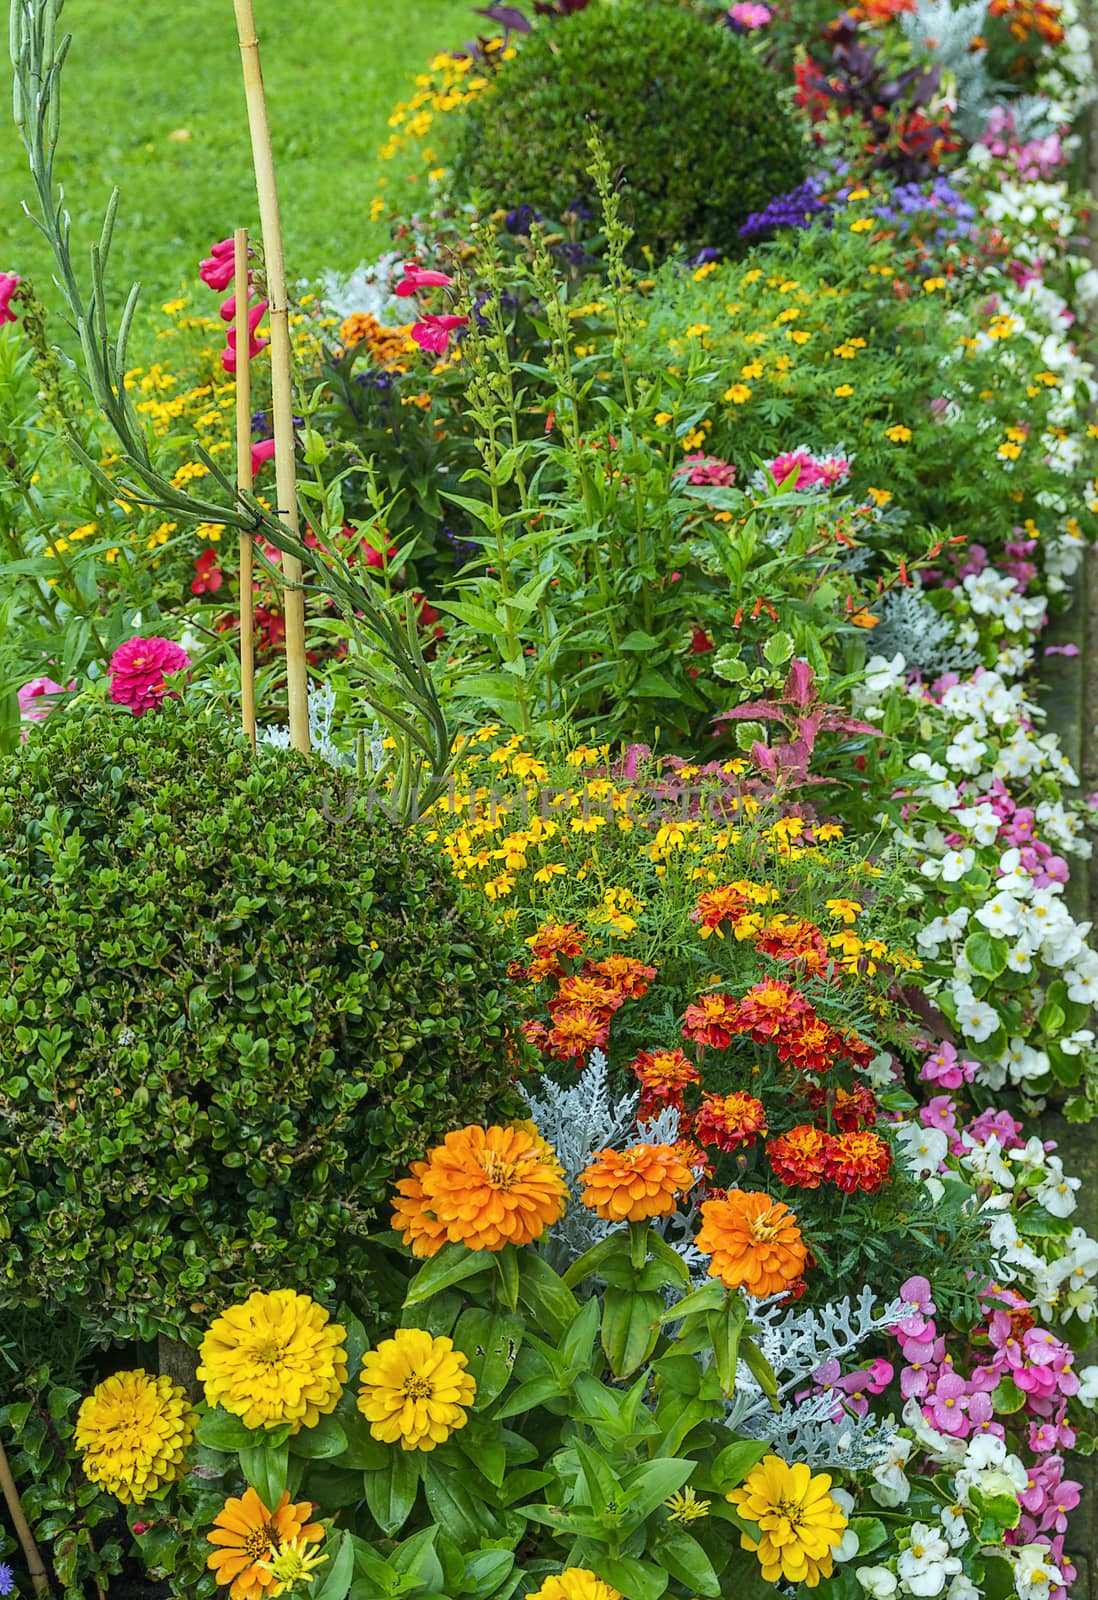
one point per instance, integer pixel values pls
(8, 285)
(433, 333)
(416, 278)
(748, 15)
(32, 691)
(219, 267)
(138, 669)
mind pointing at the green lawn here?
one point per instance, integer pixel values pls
(139, 74)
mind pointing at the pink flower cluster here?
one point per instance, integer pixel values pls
(8, 285)
(747, 15)
(706, 471)
(431, 332)
(801, 470)
(946, 1067)
(138, 670)
(217, 272)
(851, 1389)
(1036, 159)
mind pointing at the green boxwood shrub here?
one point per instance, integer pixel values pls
(681, 105)
(228, 1021)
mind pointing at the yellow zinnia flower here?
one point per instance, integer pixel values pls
(133, 1432)
(799, 1523)
(415, 1388)
(575, 1583)
(276, 1358)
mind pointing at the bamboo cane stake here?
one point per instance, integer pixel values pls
(22, 1527)
(244, 482)
(293, 598)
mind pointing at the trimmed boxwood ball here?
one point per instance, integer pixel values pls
(681, 105)
(228, 1021)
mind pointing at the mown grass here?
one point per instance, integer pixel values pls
(153, 103)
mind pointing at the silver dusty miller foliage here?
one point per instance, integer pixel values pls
(925, 638)
(583, 1119)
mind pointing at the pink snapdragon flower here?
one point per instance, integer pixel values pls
(261, 454)
(8, 285)
(219, 267)
(433, 332)
(255, 317)
(416, 278)
(138, 669)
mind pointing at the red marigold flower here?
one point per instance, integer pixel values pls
(810, 1044)
(537, 1034)
(850, 1108)
(664, 1074)
(711, 1020)
(715, 906)
(626, 973)
(800, 1157)
(793, 939)
(556, 940)
(577, 990)
(576, 1033)
(769, 1009)
(859, 1160)
(854, 1049)
(730, 1121)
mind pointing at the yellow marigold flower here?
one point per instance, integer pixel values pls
(276, 1358)
(415, 1388)
(1010, 451)
(898, 433)
(843, 391)
(737, 394)
(632, 1185)
(575, 1583)
(799, 1523)
(846, 910)
(133, 1432)
(249, 1538)
(662, 418)
(862, 225)
(930, 285)
(483, 1188)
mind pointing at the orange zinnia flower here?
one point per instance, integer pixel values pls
(754, 1242)
(247, 1534)
(422, 1231)
(632, 1185)
(489, 1187)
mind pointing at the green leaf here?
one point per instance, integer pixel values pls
(453, 1264)
(485, 1570)
(333, 1580)
(460, 1514)
(391, 1491)
(543, 1292)
(219, 1430)
(649, 1484)
(711, 1297)
(987, 956)
(266, 1468)
(1006, 1397)
(871, 1531)
(325, 1438)
(725, 1330)
(736, 1460)
(589, 1263)
(1041, 1224)
(490, 1340)
(687, 1562)
(630, 1328)
(636, 1580)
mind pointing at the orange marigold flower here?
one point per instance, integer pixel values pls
(800, 1156)
(850, 1108)
(854, 1049)
(424, 1234)
(576, 1032)
(711, 1020)
(665, 1074)
(859, 1160)
(632, 1185)
(553, 941)
(754, 1242)
(595, 994)
(810, 1044)
(793, 939)
(715, 906)
(536, 1033)
(628, 975)
(769, 1008)
(484, 1188)
(730, 1121)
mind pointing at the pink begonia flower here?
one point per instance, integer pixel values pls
(262, 453)
(32, 691)
(416, 278)
(219, 267)
(433, 333)
(749, 14)
(138, 669)
(255, 317)
(8, 285)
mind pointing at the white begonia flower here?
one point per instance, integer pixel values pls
(1034, 1573)
(927, 765)
(1082, 983)
(847, 1548)
(882, 674)
(954, 1525)
(927, 1566)
(923, 1149)
(1000, 916)
(1023, 1062)
(1020, 756)
(966, 752)
(1088, 1386)
(975, 1018)
(890, 1485)
(955, 863)
(1073, 1044)
(878, 1582)
(962, 1588)
(987, 1160)
(980, 820)
(1020, 960)
(1057, 1191)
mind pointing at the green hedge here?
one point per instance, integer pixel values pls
(227, 1022)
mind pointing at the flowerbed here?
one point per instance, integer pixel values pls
(726, 576)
